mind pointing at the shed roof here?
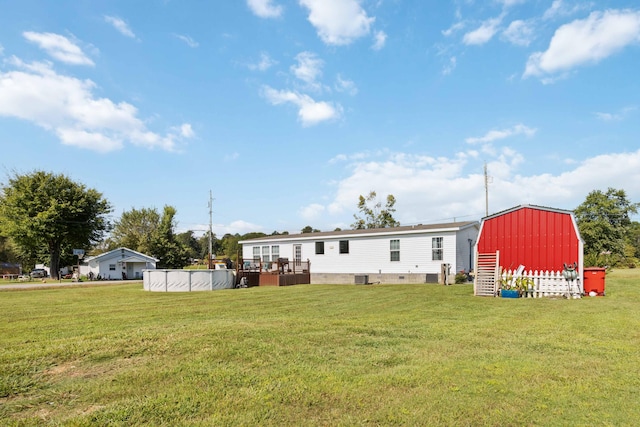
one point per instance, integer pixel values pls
(516, 208)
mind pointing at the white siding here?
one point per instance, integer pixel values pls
(370, 254)
(100, 265)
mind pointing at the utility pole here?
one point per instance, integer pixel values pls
(486, 190)
(210, 226)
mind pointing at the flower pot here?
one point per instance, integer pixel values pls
(509, 293)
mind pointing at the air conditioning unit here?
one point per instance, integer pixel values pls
(362, 279)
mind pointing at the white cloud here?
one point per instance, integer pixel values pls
(345, 85)
(229, 157)
(338, 158)
(264, 64)
(620, 115)
(310, 112)
(519, 33)
(453, 28)
(265, 8)
(95, 141)
(484, 33)
(380, 40)
(312, 212)
(427, 189)
(586, 41)
(430, 189)
(450, 66)
(1, 50)
(553, 10)
(355, 156)
(559, 8)
(120, 25)
(308, 69)
(188, 40)
(59, 47)
(338, 22)
(239, 227)
(67, 107)
(509, 3)
(187, 131)
(608, 116)
(495, 135)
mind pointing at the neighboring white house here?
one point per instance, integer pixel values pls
(119, 263)
(407, 254)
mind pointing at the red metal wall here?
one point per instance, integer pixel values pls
(536, 238)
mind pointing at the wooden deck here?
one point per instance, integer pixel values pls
(281, 273)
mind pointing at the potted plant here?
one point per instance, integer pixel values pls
(514, 287)
(525, 285)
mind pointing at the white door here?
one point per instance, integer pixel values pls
(297, 254)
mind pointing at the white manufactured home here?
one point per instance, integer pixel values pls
(406, 254)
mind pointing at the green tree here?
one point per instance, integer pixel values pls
(43, 214)
(309, 229)
(373, 215)
(633, 243)
(191, 243)
(145, 230)
(135, 230)
(7, 252)
(604, 221)
(252, 235)
(229, 246)
(216, 245)
(165, 246)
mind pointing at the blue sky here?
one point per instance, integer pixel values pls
(288, 110)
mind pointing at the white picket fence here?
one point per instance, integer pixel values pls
(548, 284)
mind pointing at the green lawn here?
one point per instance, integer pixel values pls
(319, 355)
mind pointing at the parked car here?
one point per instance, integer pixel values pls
(38, 273)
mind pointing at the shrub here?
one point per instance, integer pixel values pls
(461, 277)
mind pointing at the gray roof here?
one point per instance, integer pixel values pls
(449, 226)
(117, 251)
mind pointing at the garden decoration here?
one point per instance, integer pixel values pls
(570, 273)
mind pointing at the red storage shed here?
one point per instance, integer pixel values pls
(539, 238)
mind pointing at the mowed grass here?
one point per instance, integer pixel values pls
(319, 355)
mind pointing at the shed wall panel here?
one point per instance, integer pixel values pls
(538, 239)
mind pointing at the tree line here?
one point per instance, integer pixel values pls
(44, 216)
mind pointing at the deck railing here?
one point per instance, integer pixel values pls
(281, 272)
(281, 266)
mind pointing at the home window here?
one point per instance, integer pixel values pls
(265, 254)
(275, 252)
(436, 249)
(344, 246)
(112, 267)
(256, 253)
(394, 247)
(319, 248)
